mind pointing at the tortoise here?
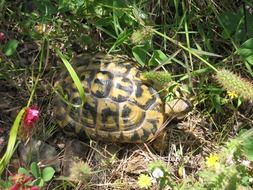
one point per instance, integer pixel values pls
(120, 106)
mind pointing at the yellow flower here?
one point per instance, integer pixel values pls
(144, 181)
(232, 94)
(40, 28)
(212, 160)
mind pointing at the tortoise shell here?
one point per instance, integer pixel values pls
(119, 106)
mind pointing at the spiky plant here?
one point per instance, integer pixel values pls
(141, 35)
(158, 77)
(234, 83)
(80, 171)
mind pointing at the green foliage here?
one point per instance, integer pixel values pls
(12, 141)
(74, 77)
(140, 53)
(234, 25)
(161, 173)
(215, 98)
(40, 176)
(74, 5)
(230, 171)
(11, 47)
(29, 178)
(158, 58)
(224, 170)
(47, 174)
(5, 184)
(246, 139)
(246, 51)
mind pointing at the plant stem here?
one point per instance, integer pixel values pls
(185, 48)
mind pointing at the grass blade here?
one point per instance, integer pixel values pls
(12, 141)
(73, 75)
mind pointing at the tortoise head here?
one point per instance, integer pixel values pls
(177, 107)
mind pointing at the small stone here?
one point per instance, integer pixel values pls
(39, 151)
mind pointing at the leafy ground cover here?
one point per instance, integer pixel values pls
(205, 46)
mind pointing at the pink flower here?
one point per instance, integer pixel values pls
(20, 182)
(21, 178)
(15, 186)
(31, 116)
(19, 186)
(34, 188)
(2, 37)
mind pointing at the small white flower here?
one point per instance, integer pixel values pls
(246, 163)
(157, 173)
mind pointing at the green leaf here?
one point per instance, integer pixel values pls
(11, 47)
(157, 58)
(114, 3)
(232, 183)
(48, 173)
(38, 182)
(245, 180)
(22, 170)
(41, 183)
(12, 141)
(233, 25)
(246, 51)
(35, 170)
(5, 184)
(121, 39)
(230, 21)
(201, 52)
(140, 54)
(74, 77)
(248, 148)
(103, 21)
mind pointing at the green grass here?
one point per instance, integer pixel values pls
(199, 43)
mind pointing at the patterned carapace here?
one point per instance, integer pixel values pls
(119, 106)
